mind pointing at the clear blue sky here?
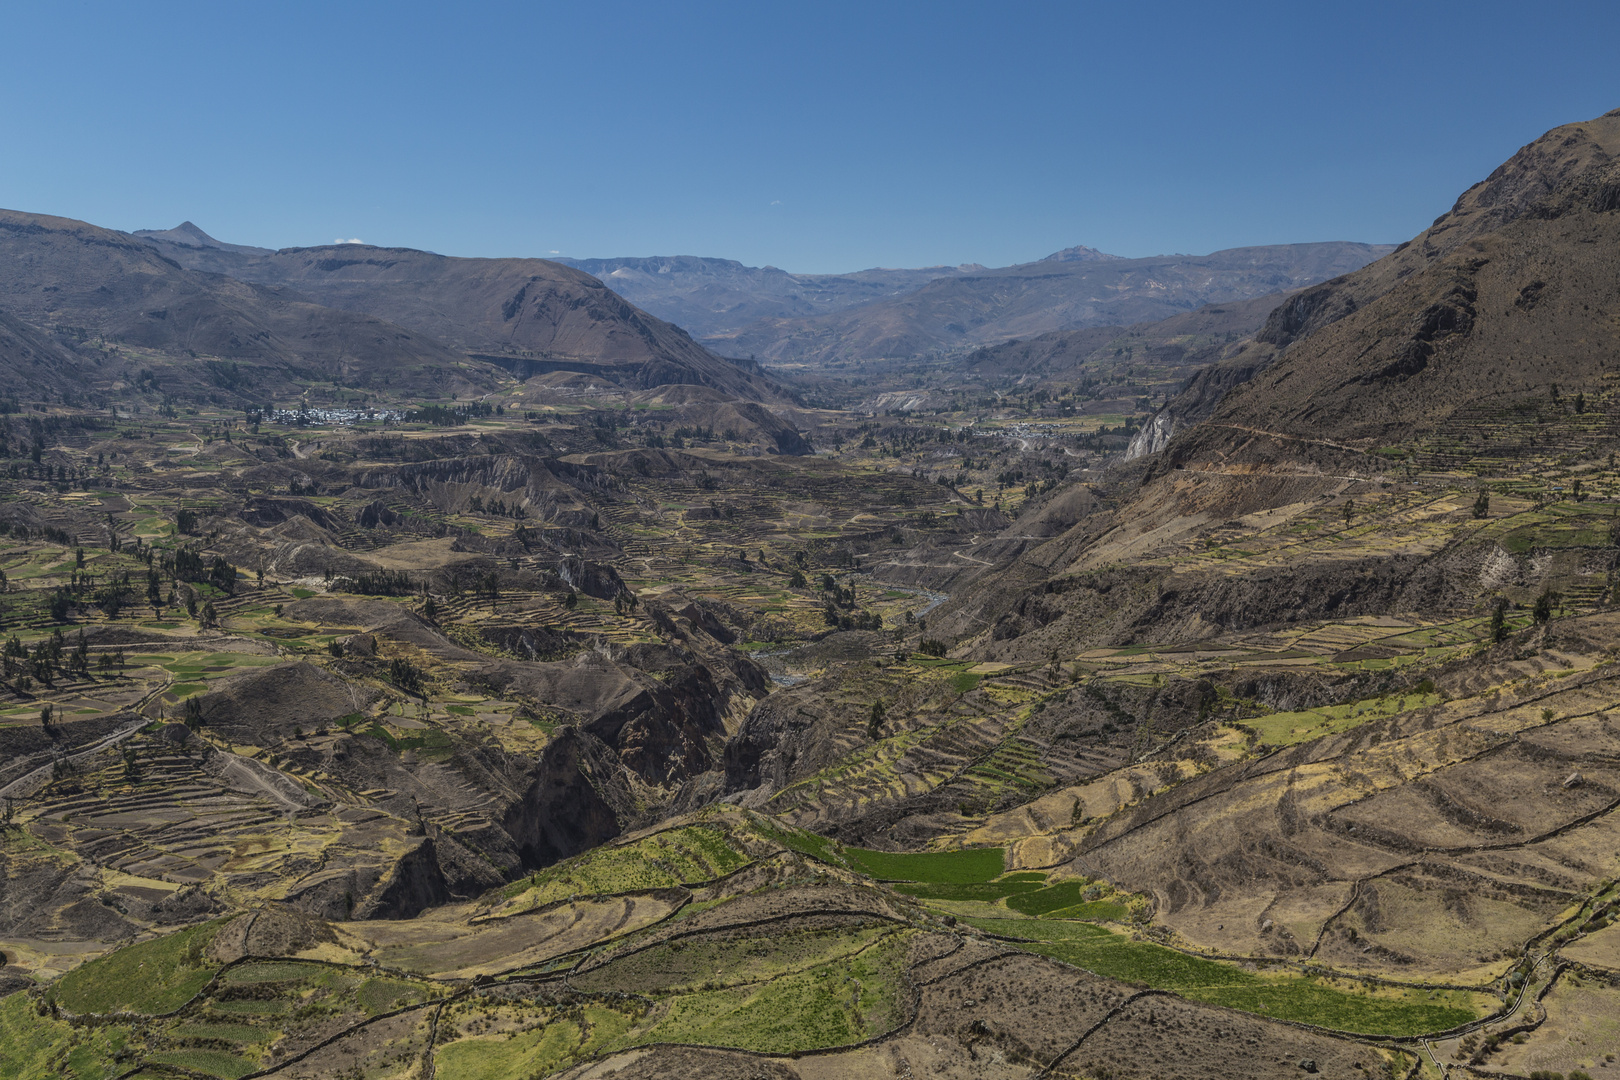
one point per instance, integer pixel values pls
(815, 137)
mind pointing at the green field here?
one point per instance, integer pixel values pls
(31, 1046)
(214, 1062)
(1288, 728)
(1342, 1005)
(153, 977)
(829, 1005)
(985, 892)
(535, 1052)
(685, 855)
(939, 867)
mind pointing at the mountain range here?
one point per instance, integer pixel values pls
(527, 315)
(795, 320)
(593, 739)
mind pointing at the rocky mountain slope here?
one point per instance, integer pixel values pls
(528, 315)
(715, 297)
(57, 272)
(1178, 345)
(991, 306)
(1505, 299)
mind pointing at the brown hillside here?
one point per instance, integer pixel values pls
(992, 306)
(529, 315)
(65, 273)
(1509, 295)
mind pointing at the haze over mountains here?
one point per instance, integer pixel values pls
(953, 314)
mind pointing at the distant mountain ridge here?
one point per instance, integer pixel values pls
(527, 315)
(1073, 289)
(1080, 253)
(62, 273)
(187, 234)
(715, 297)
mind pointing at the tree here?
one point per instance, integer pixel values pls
(1543, 610)
(874, 722)
(1349, 511)
(570, 601)
(185, 520)
(1499, 618)
(405, 675)
(210, 617)
(1482, 504)
(193, 713)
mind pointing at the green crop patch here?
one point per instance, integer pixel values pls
(246, 1034)
(153, 977)
(689, 965)
(1063, 894)
(535, 1052)
(385, 995)
(272, 1007)
(212, 1062)
(1092, 910)
(1288, 728)
(428, 740)
(987, 892)
(33, 1047)
(834, 1004)
(1341, 1005)
(273, 971)
(963, 867)
(686, 855)
(803, 841)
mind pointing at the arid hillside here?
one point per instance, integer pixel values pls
(1501, 310)
(60, 273)
(715, 297)
(528, 315)
(992, 306)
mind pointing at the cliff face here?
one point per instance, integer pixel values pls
(575, 800)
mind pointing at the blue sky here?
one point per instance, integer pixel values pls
(825, 137)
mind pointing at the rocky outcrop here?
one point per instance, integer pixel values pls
(576, 800)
